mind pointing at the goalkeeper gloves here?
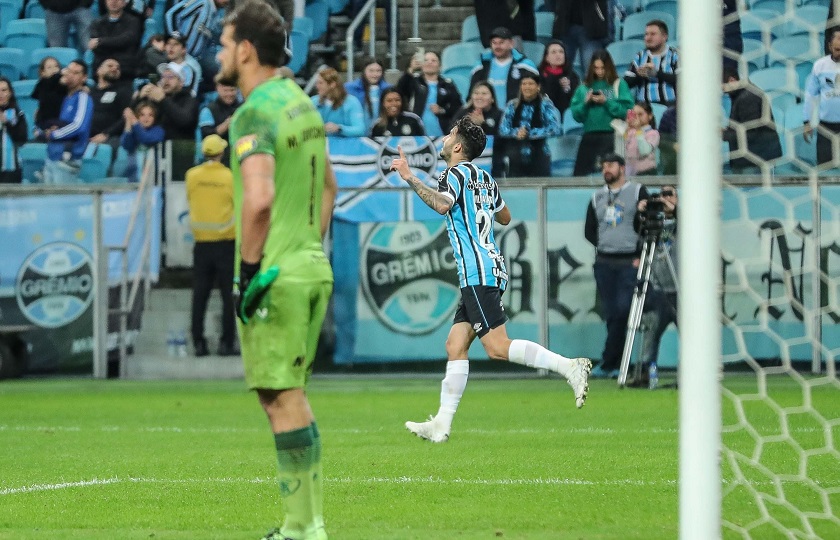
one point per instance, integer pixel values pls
(253, 285)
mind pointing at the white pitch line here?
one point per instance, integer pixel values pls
(34, 488)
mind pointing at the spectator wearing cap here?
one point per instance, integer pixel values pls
(110, 98)
(140, 132)
(433, 98)
(176, 51)
(527, 124)
(653, 72)
(214, 119)
(116, 35)
(583, 25)
(502, 66)
(609, 227)
(210, 197)
(200, 22)
(61, 15)
(68, 137)
(178, 108)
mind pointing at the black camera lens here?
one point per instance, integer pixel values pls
(667, 193)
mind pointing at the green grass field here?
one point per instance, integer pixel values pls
(89, 459)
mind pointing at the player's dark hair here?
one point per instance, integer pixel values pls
(471, 136)
(259, 23)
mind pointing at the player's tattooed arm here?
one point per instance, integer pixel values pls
(435, 200)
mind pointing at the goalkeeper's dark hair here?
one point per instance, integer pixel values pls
(259, 23)
(471, 136)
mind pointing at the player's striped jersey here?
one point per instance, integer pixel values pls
(470, 224)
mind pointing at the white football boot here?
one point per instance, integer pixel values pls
(428, 430)
(578, 379)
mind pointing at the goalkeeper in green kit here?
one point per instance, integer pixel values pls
(284, 189)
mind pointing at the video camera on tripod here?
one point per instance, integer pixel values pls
(653, 216)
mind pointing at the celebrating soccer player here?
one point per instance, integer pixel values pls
(470, 199)
(284, 189)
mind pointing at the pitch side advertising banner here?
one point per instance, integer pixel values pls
(396, 288)
(46, 271)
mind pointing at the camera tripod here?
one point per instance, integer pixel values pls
(651, 246)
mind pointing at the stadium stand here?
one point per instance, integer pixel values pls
(11, 63)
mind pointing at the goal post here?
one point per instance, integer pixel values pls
(699, 168)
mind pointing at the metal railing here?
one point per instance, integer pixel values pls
(369, 10)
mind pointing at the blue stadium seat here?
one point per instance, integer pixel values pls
(759, 24)
(300, 50)
(10, 10)
(462, 83)
(623, 52)
(12, 62)
(34, 10)
(635, 24)
(631, 6)
(773, 78)
(663, 6)
(803, 69)
(95, 162)
(793, 49)
(305, 25)
(150, 28)
(120, 164)
(563, 154)
(28, 105)
(319, 12)
(755, 54)
(64, 55)
(813, 16)
(32, 157)
(25, 34)
(460, 57)
(545, 26)
(24, 88)
(469, 29)
(570, 125)
(823, 3)
(658, 110)
(533, 50)
(777, 6)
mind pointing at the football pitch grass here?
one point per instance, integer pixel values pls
(85, 459)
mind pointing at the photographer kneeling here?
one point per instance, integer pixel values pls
(656, 219)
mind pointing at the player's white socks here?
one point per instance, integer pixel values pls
(536, 356)
(451, 390)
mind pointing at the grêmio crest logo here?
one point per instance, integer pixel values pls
(55, 284)
(409, 277)
(421, 153)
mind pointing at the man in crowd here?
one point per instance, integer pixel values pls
(502, 66)
(199, 21)
(609, 227)
(214, 119)
(110, 98)
(178, 108)
(582, 27)
(60, 15)
(176, 51)
(751, 134)
(433, 98)
(653, 72)
(210, 197)
(117, 35)
(67, 140)
(820, 90)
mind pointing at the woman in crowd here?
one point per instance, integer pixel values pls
(140, 133)
(429, 95)
(602, 97)
(559, 80)
(368, 89)
(341, 112)
(13, 133)
(481, 107)
(49, 92)
(641, 141)
(527, 124)
(393, 120)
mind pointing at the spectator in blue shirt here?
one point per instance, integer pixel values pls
(13, 133)
(502, 66)
(368, 89)
(68, 138)
(140, 133)
(527, 124)
(653, 73)
(200, 22)
(341, 112)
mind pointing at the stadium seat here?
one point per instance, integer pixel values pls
(34, 10)
(772, 78)
(150, 28)
(300, 50)
(803, 69)
(533, 50)
(95, 162)
(570, 125)
(759, 24)
(305, 25)
(12, 62)
(337, 6)
(563, 154)
(25, 34)
(32, 157)
(776, 6)
(10, 10)
(24, 88)
(460, 58)
(469, 29)
(28, 105)
(623, 52)
(658, 110)
(319, 12)
(632, 6)
(663, 6)
(823, 3)
(635, 24)
(793, 49)
(462, 83)
(120, 165)
(755, 54)
(810, 19)
(545, 26)
(64, 55)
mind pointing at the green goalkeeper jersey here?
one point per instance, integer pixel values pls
(279, 119)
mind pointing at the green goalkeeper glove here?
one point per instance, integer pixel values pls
(252, 287)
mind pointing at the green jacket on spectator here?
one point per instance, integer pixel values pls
(597, 117)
